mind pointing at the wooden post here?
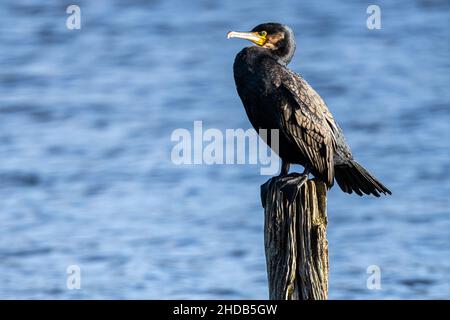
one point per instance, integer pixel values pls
(295, 242)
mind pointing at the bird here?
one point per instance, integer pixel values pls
(275, 97)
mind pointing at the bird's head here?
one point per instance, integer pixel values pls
(276, 37)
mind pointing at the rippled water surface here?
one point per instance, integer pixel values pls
(85, 171)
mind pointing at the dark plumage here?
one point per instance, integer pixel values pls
(274, 97)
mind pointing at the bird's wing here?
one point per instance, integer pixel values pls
(308, 122)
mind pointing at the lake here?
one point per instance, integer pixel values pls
(86, 176)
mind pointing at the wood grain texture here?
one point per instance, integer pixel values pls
(295, 242)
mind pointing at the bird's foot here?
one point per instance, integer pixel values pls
(290, 185)
(265, 188)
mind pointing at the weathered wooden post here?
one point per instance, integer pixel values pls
(295, 241)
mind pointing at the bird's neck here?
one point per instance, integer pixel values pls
(284, 54)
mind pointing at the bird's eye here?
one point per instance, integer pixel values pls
(263, 33)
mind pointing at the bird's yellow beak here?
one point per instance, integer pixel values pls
(255, 37)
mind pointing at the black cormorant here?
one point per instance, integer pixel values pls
(275, 97)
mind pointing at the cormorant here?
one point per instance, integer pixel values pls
(275, 97)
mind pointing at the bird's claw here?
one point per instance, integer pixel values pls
(278, 180)
(290, 186)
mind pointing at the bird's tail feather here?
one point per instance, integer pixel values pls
(353, 177)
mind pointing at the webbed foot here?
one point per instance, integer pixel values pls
(290, 185)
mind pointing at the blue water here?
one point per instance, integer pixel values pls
(86, 177)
